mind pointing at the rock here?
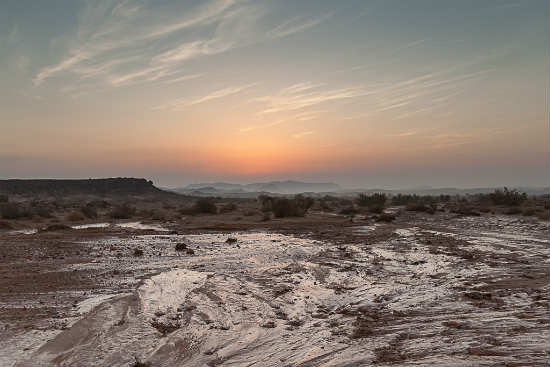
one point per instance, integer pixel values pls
(268, 324)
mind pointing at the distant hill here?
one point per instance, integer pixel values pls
(103, 186)
(276, 187)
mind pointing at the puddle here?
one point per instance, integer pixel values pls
(24, 231)
(142, 226)
(366, 229)
(91, 225)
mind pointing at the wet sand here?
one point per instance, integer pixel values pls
(321, 290)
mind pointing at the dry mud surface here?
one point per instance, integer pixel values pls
(429, 290)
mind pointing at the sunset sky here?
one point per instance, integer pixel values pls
(363, 93)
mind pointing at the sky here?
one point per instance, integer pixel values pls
(363, 93)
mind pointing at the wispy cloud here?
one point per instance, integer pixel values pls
(424, 93)
(297, 24)
(302, 134)
(184, 78)
(220, 93)
(118, 41)
(302, 95)
(262, 126)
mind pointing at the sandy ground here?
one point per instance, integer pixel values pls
(323, 290)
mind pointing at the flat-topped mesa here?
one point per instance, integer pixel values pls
(103, 186)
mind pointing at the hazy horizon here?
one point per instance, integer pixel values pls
(365, 94)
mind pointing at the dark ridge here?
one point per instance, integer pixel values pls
(103, 186)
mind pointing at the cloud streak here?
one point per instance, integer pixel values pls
(302, 134)
(303, 95)
(179, 104)
(117, 40)
(122, 43)
(297, 24)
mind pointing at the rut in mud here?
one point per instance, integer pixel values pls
(422, 296)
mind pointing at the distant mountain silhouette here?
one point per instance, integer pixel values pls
(103, 186)
(278, 187)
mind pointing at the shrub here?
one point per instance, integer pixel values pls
(345, 202)
(385, 217)
(421, 207)
(506, 197)
(158, 215)
(140, 363)
(138, 252)
(529, 212)
(404, 199)
(325, 205)
(285, 207)
(371, 200)
(350, 210)
(74, 216)
(4, 198)
(123, 211)
(102, 204)
(466, 210)
(228, 208)
(513, 211)
(205, 206)
(181, 246)
(43, 211)
(377, 209)
(89, 211)
(5, 225)
(11, 211)
(303, 201)
(201, 206)
(266, 202)
(544, 215)
(56, 227)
